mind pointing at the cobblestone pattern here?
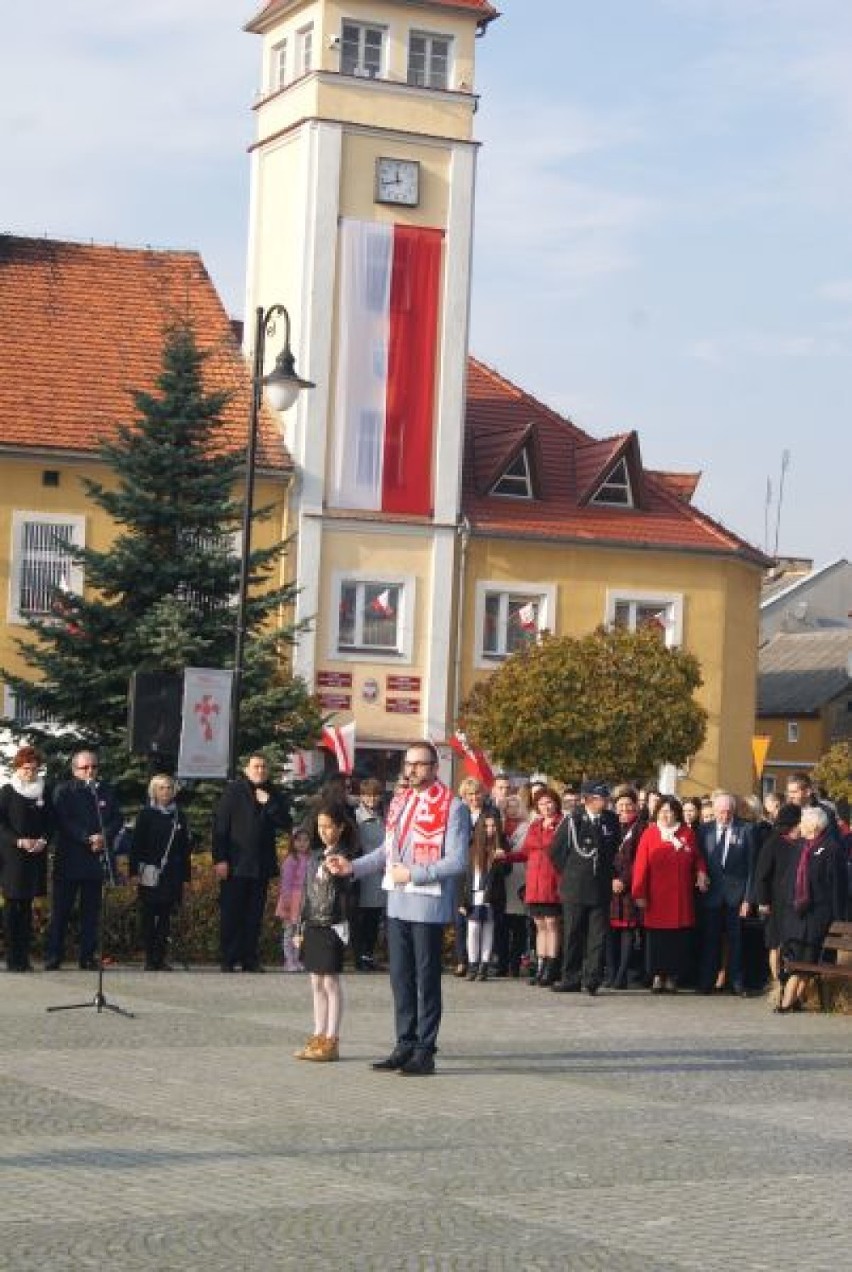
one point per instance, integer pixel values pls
(616, 1133)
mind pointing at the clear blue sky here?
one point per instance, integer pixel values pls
(664, 210)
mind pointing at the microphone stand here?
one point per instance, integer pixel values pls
(99, 1001)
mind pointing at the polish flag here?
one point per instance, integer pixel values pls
(475, 762)
(387, 340)
(528, 617)
(381, 604)
(340, 740)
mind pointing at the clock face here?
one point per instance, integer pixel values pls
(398, 181)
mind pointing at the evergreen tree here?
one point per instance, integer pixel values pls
(162, 596)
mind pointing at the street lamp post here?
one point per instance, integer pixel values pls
(282, 386)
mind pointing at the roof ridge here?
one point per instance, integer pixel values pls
(48, 240)
(525, 396)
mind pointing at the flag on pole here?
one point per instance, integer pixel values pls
(528, 617)
(381, 604)
(475, 762)
(390, 277)
(340, 740)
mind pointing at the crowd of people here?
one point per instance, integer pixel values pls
(570, 888)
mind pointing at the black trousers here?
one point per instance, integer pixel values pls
(18, 915)
(584, 929)
(241, 906)
(65, 893)
(365, 932)
(156, 921)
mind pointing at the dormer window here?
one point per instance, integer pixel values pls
(516, 481)
(616, 489)
(429, 60)
(361, 50)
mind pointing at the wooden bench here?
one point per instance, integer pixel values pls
(839, 939)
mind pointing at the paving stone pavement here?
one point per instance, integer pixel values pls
(623, 1132)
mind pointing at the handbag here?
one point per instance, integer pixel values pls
(149, 874)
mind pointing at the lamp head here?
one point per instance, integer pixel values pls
(282, 384)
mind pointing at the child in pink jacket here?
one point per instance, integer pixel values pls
(293, 869)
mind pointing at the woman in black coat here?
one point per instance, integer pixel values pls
(815, 897)
(160, 863)
(25, 827)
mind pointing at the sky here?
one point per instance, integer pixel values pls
(663, 211)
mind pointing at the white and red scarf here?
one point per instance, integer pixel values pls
(417, 825)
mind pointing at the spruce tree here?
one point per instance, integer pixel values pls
(162, 596)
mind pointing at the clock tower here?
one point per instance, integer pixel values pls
(361, 218)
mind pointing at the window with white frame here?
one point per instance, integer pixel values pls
(42, 561)
(429, 60)
(216, 551)
(361, 50)
(510, 616)
(304, 51)
(616, 489)
(516, 481)
(278, 66)
(660, 611)
(792, 731)
(372, 615)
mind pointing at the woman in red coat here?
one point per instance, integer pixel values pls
(667, 870)
(541, 895)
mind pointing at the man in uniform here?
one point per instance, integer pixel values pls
(583, 851)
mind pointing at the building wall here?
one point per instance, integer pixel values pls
(825, 599)
(23, 490)
(785, 757)
(719, 625)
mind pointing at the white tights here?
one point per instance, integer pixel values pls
(328, 1004)
(480, 940)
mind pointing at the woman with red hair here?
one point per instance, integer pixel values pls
(25, 827)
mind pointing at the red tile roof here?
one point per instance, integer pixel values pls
(482, 8)
(569, 464)
(683, 484)
(81, 328)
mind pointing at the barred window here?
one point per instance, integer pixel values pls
(42, 562)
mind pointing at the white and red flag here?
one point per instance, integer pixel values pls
(528, 617)
(475, 762)
(390, 277)
(340, 740)
(381, 604)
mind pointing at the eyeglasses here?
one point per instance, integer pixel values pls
(418, 763)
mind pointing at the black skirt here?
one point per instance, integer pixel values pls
(322, 951)
(544, 910)
(669, 951)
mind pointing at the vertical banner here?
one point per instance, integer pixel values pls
(206, 723)
(390, 283)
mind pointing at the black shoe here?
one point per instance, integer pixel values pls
(253, 967)
(482, 974)
(420, 1065)
(88, 964)
(227, 967)
(392, 1063)
(151, 967)
(565, 987)
(52, 965)
(591, 989)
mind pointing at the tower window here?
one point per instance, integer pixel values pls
(361, 50)
(278, 66)
(429, 60)
(304, 51)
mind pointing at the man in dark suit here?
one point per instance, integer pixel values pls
(583, 851)
(87, 818)
(250, 814)
(728, 848)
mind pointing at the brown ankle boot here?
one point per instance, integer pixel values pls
(326, 1049)
(306, 1052)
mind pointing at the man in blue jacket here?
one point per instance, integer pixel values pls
(425, 849)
